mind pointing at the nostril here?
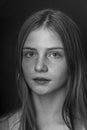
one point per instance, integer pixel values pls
(41, 68)
(41, 65)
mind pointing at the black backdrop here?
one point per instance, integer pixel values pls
(12, 15)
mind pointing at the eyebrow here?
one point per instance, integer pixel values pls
(34, 49)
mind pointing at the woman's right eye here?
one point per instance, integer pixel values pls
(29, 54)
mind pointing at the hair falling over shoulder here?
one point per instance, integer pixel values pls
(75, 105)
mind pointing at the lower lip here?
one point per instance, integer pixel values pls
(41, 82)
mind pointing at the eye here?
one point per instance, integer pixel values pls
(29, 54)
(55, 55)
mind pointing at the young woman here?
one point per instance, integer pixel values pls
(51, 74)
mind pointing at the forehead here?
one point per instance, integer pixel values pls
(44, 38)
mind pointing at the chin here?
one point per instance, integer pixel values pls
(46, 89)
(41, 90)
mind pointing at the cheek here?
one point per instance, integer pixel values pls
(59, 71)
(26, 68)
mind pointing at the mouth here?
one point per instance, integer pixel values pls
(41, 80)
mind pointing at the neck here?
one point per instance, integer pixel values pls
(49, 107)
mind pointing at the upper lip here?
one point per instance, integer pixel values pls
(41, 79)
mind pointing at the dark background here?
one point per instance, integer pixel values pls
(12, 15)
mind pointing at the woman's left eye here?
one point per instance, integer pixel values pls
(54, 55)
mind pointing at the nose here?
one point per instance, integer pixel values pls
(41, 66)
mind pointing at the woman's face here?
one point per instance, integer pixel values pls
(43, 62)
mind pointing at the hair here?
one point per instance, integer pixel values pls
(75, 105)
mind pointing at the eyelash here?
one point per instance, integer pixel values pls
(27, 54)
(57, 54)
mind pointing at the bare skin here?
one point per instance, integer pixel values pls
(49, 112)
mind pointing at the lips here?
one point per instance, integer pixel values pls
(41, 80)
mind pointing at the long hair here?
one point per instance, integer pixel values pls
(75, 105)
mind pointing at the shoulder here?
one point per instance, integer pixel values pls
(81, 126)
(10, 122)
(14, 121)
